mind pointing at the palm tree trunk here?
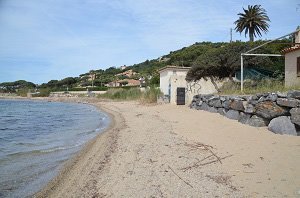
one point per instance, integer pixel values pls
(251, 34)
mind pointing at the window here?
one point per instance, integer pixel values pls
(298, 66)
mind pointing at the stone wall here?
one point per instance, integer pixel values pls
(279, 112)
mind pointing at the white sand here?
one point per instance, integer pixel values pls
(159, 151)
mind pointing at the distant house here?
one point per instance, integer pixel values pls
(125, 82)
(128, 73)
(292, 63)
(123, 67)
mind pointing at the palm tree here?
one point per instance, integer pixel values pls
(253, 21)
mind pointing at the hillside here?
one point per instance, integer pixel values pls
(218, 58)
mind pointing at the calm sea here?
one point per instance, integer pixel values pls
(36, 137)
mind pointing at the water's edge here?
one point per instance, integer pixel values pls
(67, 165)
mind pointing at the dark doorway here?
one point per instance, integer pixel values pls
(180, 96)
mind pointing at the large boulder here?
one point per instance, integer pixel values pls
(272, 97)
(295, 116)
(287, 102)
(237, 105)
(269, 110)
(204, 107)
(226, 104)
(222, 111)
(244, 118)
(249, 108)
(232, 114)
(293, 94)
(257, 121)
(282, 125)
(215, 102)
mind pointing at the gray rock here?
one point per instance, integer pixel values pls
(222, 98)
(253, 102)
(271, 97)
(237, 98)
(287, 102)
(282, 125)
(212, 110)
(244, 118)
(295, 116)
(226, 104)
(237, 105)
(257, 121)
(269, 110)
(293, 94)
(193, 105)
(281, 95)
(262, 99)
(249, 108)
(254, 97)
(204, 107)
(199, 103)
(232, 114)
(215, 102)
(222, 111)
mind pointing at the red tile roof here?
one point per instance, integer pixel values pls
(290, 49)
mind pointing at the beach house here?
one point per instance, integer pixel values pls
(292, 63)
(173, 77)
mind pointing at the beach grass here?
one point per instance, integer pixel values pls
(254, 87)
(148, 96)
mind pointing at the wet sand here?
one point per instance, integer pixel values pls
(174, 151)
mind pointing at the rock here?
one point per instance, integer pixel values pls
(222, 111)
(287, 102)
(215, 102)
(232, 114)
(237, 98)
(293, 94)
(249, 108)
(237, 105)
(212, 110)
(193, 105)
(246, 98)
(295, 116)
(271, 97)
(200, 103)
(269, 110)
(222, 98)
(244, 118)
(257, 121)
(204, 107)
(206, 97)
(281, 95)
(282, 125)
(226, 104)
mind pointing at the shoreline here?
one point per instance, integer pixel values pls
(108, 136)
(173, 151)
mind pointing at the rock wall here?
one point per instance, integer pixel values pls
(280, 112)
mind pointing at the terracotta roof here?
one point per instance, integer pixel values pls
(290, 49)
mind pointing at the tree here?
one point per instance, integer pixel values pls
(252, 21)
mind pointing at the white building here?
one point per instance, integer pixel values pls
(172, 77)
(292, 63)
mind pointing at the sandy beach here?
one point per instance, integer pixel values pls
(173, 151)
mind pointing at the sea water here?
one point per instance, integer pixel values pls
(36, 137)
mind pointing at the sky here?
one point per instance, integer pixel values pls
(41, 40)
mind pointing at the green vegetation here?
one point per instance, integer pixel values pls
(148, 96)
(224, 60)
(253, 87)
(20, 87)
(253, 21)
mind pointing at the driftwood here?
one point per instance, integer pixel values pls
(204, 147)
(180, 177)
